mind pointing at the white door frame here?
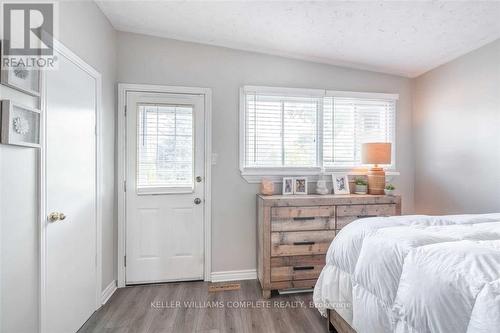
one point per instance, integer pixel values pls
(42, 216)
(123, 88)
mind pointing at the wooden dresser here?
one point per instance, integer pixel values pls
(294, 233)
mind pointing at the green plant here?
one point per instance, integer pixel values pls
(390, 187)
(360, 181)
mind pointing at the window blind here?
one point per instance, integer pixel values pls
(281, 131)
(165, 146)
(349, 122)
(287, 131)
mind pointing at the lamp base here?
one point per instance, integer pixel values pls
(376, 181)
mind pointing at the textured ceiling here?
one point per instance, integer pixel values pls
(406, 38)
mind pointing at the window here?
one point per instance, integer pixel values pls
(348, 122)
(164, 147)
(281, 131)
(285, 129)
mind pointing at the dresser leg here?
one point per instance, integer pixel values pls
(266, 293)
(329, 325)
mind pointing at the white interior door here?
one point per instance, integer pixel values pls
(71, 269)
(164, 187)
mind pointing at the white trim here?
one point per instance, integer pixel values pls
(283, 91)
(42, 211)
(123, 88)
(301, 92)
(67, 53)
(108, 292)
(246, 274)
(368, 95)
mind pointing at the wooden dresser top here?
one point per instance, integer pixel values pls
(329, 199)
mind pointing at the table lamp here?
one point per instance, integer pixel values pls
(376, 153)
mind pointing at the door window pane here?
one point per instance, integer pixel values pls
(164, 147)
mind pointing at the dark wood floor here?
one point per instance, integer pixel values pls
(189, 307)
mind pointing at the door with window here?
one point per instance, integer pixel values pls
(164, 187)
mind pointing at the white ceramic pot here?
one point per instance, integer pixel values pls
(389, 192)
(361, 189)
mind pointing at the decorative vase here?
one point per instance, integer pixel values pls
(361, 189)
(266, 187)
(321, 187)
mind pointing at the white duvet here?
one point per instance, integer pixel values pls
(415, 274)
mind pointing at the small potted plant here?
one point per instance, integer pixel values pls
(361, 186)
(389, 189)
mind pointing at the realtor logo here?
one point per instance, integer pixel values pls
(28, 29)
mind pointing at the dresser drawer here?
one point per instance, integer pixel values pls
(302, 218)
(347, 214)
(291, 284)
(309, 260)
(296, 267)
(301, 242)
(292, 273)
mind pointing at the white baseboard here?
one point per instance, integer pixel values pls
(246, 274)
(108, 292)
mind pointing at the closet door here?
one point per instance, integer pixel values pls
(71, 228)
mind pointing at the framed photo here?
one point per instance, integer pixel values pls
(287, 185)
(340, 183)
(300, 185)
(20, 77)
(20, 125)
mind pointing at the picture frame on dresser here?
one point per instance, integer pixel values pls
(288, 185)
(18, 76)
(300, 185)
(340, 183)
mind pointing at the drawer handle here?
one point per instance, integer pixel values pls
(304, 243)
(300, 218)
(303, 268)
(366, 216)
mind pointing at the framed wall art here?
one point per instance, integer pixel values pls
(20, 77)
(20, 125)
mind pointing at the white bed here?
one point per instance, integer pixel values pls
(415, 274)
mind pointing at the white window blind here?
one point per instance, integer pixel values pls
(349, 122)
(281, 131)
(165, 147)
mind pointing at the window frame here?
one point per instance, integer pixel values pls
(255, 174)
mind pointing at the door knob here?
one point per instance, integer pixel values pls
(198, 179)
(197, 201)
(56, 216)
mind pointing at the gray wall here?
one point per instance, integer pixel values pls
(456, 121)
(151, 60)
(18, 232)
(87, 32)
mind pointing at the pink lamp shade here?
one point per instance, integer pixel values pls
(376, 153)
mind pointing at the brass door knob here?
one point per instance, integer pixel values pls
(56, 216)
